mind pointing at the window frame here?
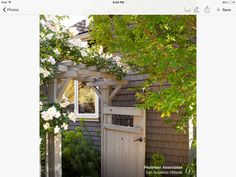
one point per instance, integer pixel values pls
(86, 116)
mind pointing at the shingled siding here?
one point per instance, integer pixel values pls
(160, 138)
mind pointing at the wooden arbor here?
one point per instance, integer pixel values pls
(93, 78)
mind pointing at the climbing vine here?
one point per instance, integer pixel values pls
(56, 46)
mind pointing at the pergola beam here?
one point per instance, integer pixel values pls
(107, 83)
(68, 63)
(62, 68)
(68, 74)
(67, 69)
(115, 91)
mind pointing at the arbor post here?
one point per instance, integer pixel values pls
(53, 142)
(105, 93)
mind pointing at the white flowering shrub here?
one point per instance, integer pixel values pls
(54, 117)
(57, 45)
(53, 40)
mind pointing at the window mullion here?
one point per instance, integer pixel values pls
(76, 97)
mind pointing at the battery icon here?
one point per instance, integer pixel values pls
(228, 2)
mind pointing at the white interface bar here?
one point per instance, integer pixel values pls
(118, 7)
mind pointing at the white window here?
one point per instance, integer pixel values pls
(84, 101)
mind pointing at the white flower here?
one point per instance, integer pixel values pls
(52, 110)
(65, 126)
(52, 25)
(74, 42)
(45, 72)
(58, 114)
(64, 101)
(56, 28)
(83, 44)
(46, 125)
(117, 58)
(43, 60)
(72, 116)
(73, 31)
(56, 51)
(100, 50)
(78, 43)
(56, 129)
(49, 36)
(106, 55)
(46, 116)
(83, 53)
(42, 21)
(40, 105)
(51, 60)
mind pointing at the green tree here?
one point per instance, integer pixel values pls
(164, 47)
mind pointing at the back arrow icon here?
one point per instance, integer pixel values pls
(4, 9)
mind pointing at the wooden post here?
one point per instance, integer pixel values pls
(50, 155)
(53, 143)
(105, 91)
(191, 135)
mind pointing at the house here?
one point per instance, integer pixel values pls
(158, 138)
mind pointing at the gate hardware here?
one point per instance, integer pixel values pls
(140, 139)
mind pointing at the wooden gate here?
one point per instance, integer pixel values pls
(124, 146)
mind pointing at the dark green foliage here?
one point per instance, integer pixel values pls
(190, 170)
(158, 160)
(79, 157)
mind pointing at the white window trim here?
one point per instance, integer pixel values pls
(89, 116)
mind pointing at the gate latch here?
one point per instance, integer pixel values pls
(140, 139)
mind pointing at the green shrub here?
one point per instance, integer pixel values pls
(158, 160)
(79, 157)
(43, 157)
(190, 170)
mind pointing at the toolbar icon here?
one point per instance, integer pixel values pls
(186, 9)
(196, 10)
(207, 9)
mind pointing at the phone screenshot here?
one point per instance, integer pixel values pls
(107, 88)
